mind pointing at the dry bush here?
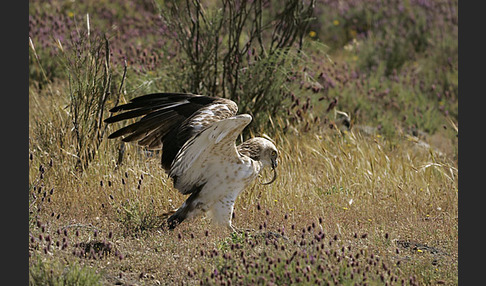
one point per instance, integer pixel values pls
(241, 50)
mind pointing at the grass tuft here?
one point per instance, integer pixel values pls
(45, 272)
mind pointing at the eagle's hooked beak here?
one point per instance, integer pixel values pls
(274, 166)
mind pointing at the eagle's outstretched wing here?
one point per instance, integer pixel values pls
(205, 155)
(169, 120)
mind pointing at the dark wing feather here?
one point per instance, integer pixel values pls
(169, 120)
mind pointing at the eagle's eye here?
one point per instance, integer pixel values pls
(274, 153)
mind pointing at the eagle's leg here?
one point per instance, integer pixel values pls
(179, 216)
(191, 208)
(221, 212)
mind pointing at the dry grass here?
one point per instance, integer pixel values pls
(347, 208)
(367, 208)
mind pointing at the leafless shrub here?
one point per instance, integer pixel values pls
(242, 50)
(90, 87)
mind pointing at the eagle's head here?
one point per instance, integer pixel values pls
(263, 150)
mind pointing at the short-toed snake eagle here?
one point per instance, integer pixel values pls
(197, 135)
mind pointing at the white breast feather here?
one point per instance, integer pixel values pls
(205, 157)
